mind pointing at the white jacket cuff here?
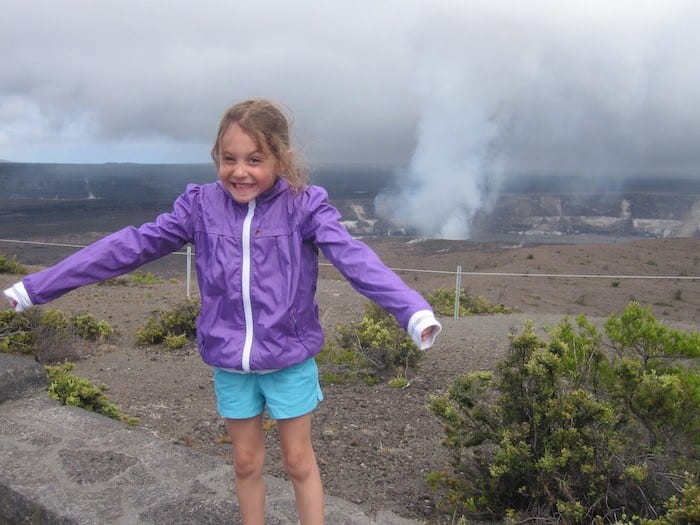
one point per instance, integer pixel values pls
(18, 296)
(418, 322)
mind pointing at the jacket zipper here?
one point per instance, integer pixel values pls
(245, 289)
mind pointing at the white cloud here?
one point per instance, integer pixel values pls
(568, 91)
(545, 84)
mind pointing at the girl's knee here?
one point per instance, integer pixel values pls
(248, 464)
(299, 463)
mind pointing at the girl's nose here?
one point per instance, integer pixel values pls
(238, 170)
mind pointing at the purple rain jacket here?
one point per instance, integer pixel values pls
(257, 267)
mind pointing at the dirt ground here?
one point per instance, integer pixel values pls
(375, 444)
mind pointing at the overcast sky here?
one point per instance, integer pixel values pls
(516, 87)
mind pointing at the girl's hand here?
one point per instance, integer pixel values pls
(426, 333)
(18, 298)
(423, 328)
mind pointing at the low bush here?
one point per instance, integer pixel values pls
(174, 342)
(342, 365)
(17, 335)
(170, 327)
(442, 302)
(580, 428)
(69, 389)
(369, 350)
(87, 327)
(11, 265)
(681, 510)
(25, 332)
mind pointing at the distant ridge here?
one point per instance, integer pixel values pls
(535, 208)
(162, 183)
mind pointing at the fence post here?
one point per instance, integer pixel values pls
(189, 268)
(458, 289)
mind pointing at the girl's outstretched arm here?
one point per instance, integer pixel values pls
(365, 271)
(116, 254)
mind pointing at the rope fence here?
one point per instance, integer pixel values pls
(458, 273)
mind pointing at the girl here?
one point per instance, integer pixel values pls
(257, 232)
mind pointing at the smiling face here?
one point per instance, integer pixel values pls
(244, 170)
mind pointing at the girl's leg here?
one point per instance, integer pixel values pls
(248, 443)
(300, 463)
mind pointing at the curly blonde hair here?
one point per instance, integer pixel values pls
(268, 125)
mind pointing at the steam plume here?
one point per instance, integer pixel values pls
(503, 94)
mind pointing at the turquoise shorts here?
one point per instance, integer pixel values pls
(287, 393)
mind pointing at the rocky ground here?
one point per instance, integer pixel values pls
(375, 444)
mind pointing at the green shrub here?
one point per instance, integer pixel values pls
(84, 326)
(173, 325)
(174, 342)
(11, 265)
(565, 432)
(680, 511)
(53, 318)
(443, 303)
(151, 333)
(182, 319)
(23, 332)
(70, 389)
(16, 333)
(343, 365)
(370, 349)
(87, 327)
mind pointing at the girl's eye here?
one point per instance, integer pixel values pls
(255, 160)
